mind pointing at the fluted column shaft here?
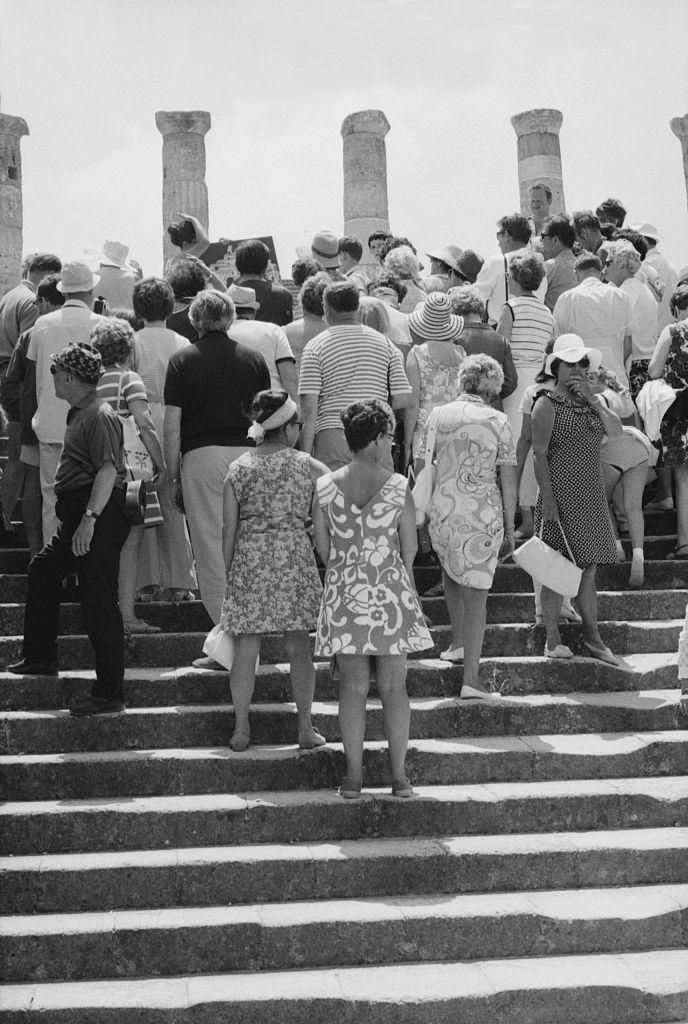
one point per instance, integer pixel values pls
(11, 206)
(539, 155)
(365, 176)
(679, 126)
(183, 167)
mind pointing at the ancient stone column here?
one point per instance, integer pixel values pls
(679, 126)
(365, 177)
(539, 155)
(183, 167)
(11, 208)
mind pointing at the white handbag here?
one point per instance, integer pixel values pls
(219, 646)
(548, 567)
(137, 459)
(421, 492)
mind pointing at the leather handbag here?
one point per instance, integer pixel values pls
(421, 492)
(547, 566)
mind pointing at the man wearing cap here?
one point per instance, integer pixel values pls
(442, 263)
(268, 339)
(117, 278)
(73, 323)
(275, 302)
(90, 492)
(325, 249)
(346, 363)
(668, 275)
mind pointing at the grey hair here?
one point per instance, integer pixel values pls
(373, 313)
(481, 375)
(466, 299)
(211, 309)
(403, 262)
(624, 254)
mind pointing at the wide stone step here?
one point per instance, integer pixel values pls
(159, 772)
(213, 876)
(54, 826)
(56, 731)
(633, 988)
(191, 616)
(286, 936)
(503, 640)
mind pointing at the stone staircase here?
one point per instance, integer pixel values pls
(540, 875)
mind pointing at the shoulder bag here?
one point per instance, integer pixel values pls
(425, 481)
(547, 566)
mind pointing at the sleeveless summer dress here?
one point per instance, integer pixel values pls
(369, 605)
(439, 384)
(273, 583)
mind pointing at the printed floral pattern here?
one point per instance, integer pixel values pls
(369, 605)
(674, 426)
(465, 516)
(438, 385)
(273, 583)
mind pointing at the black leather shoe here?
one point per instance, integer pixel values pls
(96, 706)
(33, 668)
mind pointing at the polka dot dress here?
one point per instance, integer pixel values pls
(576, 473)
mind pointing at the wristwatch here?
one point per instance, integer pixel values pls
(90, 514)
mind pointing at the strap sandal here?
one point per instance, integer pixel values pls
(311, 739)
(601, 654)
(453, 654)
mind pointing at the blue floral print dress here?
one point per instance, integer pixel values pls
(369, 605)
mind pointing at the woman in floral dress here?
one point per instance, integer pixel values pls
(370, 617)
(273, 585)
(472, 507)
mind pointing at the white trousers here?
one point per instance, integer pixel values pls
(48, 458)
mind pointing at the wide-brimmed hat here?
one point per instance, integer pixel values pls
(111, 254)
(570, 348)
(325, 248)
(433, 319)
(469, 265)
(77, 276)
(82, 360)
(648, 230)
(450, 254)
(244, 298)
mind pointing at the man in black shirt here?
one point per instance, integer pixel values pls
(252, 258)
(90, 491)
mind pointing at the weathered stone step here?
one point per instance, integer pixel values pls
(201, 876)
(503, 640)
(428, 677)
(635, 988)
(285, 936)
(193, 725)
(159, 772)
(54, 826)
(191, 616)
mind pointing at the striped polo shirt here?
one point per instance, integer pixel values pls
(532, 331)
(350, 363)
(132, 389)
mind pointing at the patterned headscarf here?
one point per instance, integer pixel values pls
(82, 360)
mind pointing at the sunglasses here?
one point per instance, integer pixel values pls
(584, 363)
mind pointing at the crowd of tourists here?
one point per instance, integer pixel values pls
(188, 435)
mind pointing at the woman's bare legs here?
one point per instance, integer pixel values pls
(587, 603)
(302, 672)
(128, 571)
(474, 615)
(551, 607)
(391, 686)
(453, 595)
(681, 480)
(355, 682)
(242, 679)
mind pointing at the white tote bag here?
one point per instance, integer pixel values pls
(421, 492)
(548, 567)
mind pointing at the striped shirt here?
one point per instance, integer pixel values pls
(532, 330)
(133, 389)
(350, 363)
(153, 348)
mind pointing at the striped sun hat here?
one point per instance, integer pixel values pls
(433, 319)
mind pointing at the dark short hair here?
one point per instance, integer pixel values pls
(264, 404)
(312, 293)
(45, 262)
(114, 339)
(351, 246)
(585, 219)
(679, 298)
(378, 236)
(395, 241)
(48, 290)
(153, 299)
(364, 422)
(588, 261)
(341, 296)
(612, 210)
(543, 188)
(516, 225)
(134, 321)
(185, 278)
(562, 227)
(527, 270)
(634, 237)
(252, 256)
(389, 281)
(304, 268)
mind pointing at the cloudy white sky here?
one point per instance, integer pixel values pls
(279, 76)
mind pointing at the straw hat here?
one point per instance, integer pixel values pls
(433, 319)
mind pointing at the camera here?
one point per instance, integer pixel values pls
(100, 306)
(180, 232)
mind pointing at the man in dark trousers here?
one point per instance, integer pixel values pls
(90, 493)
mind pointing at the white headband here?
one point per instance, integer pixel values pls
(285, 412)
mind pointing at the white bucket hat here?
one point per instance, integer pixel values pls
(243, 297)
(77, 276)
(570, 348)
(112, 254)
(648, 230)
